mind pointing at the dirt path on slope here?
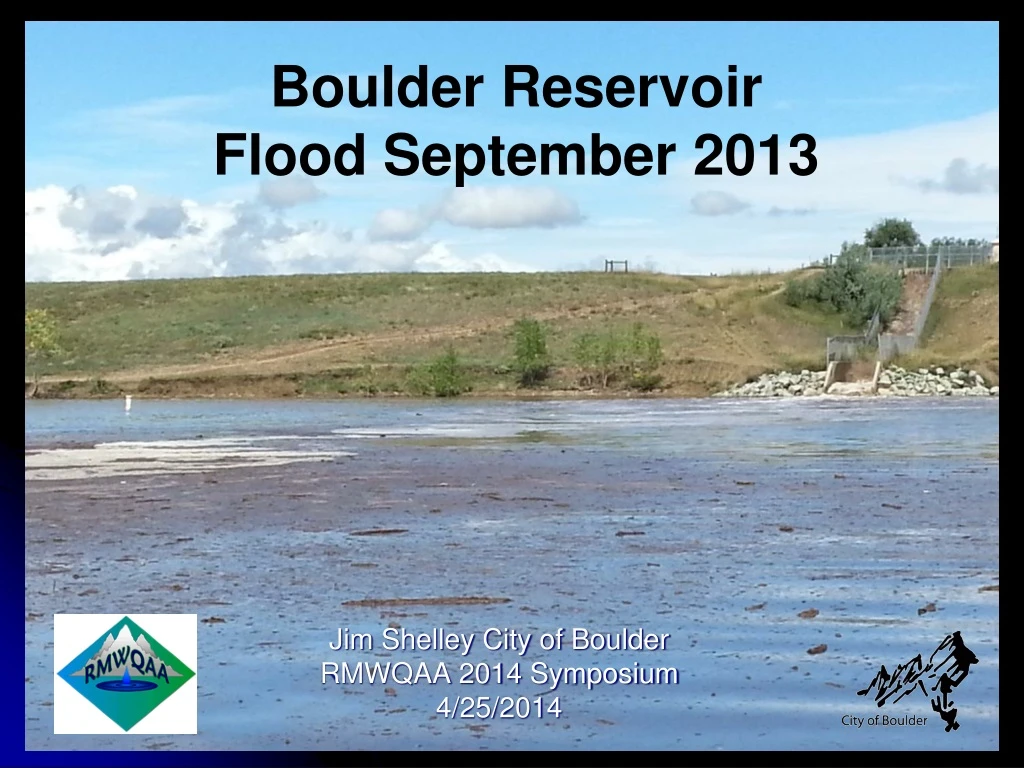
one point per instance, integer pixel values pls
(915, 287)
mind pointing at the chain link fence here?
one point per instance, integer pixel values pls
(926, 256)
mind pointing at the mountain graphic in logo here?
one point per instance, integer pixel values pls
(126, 674)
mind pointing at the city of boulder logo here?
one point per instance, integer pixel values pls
(126, 673)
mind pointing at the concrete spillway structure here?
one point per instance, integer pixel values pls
(844, 378)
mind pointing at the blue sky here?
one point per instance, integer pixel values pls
(121, 124)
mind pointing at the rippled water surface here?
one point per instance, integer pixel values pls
(716, 522)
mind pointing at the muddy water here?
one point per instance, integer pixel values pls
(716, 523)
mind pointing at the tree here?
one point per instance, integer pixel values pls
(891, 233)
(854, 250)
(531, 360)
(960, 242)
(41, 339)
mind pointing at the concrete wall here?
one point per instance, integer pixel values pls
(842, 348)
(842, 372)
(890, 345)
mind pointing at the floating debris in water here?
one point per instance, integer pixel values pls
(380, 603)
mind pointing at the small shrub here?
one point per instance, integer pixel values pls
(417, 382)
(584, 353)
(531, 360)
(368, 388)
(647, 382)
(102, 387)
(368, 384)
(598, 355)
(645, 356)
(610, 356)
(796, 293)
(645, 352)
(445, 376)
(42, 342)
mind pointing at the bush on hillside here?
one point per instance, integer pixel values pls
(852, 288)
(609, 356)
(597, 355)
(531, 360)
(644, 357)
(444, 376)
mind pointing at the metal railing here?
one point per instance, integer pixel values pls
(873, 327)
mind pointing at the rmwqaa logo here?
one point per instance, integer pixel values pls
(126, 673)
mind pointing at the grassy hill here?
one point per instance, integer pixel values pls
(963, 325)
(324, 335)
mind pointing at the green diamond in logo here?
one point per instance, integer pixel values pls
(126, 673)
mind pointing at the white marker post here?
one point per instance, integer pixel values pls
(127, 403)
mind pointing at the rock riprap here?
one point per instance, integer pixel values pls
(894, 381)
(933, 382)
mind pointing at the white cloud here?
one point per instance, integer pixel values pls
(776, 211)
(399, 224)
(288, 191)
(119, 233)
(960, 179)
(716, 204)
(508, 207)
(439, 258)
(480, 208)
